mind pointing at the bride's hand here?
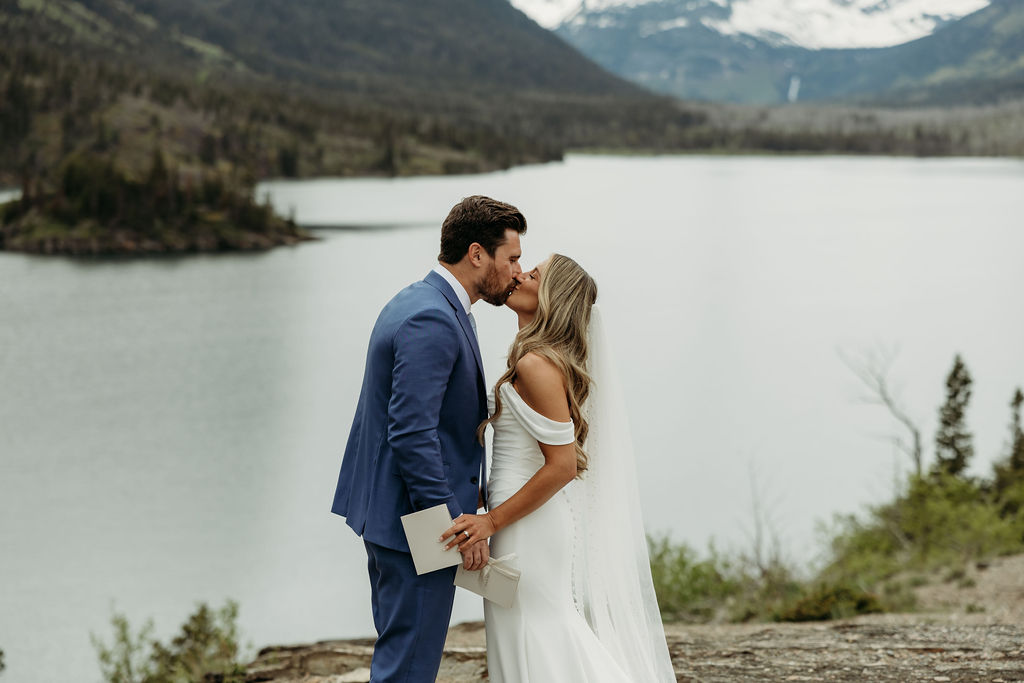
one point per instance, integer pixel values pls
(469, 530)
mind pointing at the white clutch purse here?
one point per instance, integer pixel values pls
(497, 581)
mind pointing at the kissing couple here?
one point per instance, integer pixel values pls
(562, 492)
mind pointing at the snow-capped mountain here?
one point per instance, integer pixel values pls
(548, 13)
(813, 24)
(820, 24)
(770, 51)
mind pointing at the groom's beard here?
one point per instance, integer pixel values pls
(493, 290)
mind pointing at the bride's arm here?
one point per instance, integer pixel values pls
(541, 384)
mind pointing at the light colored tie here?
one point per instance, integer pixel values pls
(483, 461)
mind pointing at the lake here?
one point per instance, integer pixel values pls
(171, 428)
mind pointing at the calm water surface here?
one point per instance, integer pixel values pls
(171, 429)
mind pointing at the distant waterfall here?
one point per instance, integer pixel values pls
(794, 88)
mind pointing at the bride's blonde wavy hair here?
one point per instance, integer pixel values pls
(558, 332)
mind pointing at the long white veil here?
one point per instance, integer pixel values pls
(612, 583)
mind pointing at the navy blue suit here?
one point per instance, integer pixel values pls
(412, 446)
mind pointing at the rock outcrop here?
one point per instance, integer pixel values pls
(968, 631)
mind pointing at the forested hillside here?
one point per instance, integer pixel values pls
(280, 88)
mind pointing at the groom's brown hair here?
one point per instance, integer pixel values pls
(477, 219)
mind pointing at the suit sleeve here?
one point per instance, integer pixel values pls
(426, 349)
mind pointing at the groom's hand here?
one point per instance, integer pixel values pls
(476, 556)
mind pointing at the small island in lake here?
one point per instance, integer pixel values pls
(95, 208)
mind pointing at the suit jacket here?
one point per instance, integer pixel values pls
(413, 439)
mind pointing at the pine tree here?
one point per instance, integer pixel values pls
(1009, 473)
(1017, 436)
(953, 447)
(16, 106)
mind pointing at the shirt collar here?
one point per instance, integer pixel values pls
(460, 291)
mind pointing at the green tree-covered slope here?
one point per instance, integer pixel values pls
(342, 44)
(978, 59)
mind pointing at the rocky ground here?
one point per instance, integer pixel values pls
(971, 628)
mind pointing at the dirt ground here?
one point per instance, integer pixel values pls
(970, 628)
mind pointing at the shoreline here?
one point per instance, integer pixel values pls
(202, 229)
(41, 235)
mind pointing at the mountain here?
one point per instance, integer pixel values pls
(770, 51)
(820, 24)
(976, 59)
(671, 47)
(814, 24)
(345, 44)
(259, 88)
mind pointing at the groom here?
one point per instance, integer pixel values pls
(413, 441)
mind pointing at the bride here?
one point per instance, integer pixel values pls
(563, 498)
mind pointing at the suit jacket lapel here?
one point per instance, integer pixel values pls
(442, 285)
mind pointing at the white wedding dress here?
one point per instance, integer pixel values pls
(585, 609)
(541, 638)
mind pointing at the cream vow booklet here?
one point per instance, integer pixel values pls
(422, 529)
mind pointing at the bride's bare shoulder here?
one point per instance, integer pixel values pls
(536, 363)
(542, 385)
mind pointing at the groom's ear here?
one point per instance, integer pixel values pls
(475, 254)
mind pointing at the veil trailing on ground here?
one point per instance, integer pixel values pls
(612, 583)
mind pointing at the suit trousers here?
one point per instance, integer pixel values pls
(411, 614)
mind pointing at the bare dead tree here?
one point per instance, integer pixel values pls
(766, 545)
(872, 368)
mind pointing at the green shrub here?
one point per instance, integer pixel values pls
(940, 521)
(899, 596)
(688, 588)
(764, 591)
(823, 602)
(1011, 504)
(733, 587)
(125, 661)
(206, 646)
(949, 519)
(955, 574)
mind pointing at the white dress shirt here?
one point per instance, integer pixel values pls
(460, 291)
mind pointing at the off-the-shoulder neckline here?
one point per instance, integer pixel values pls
(530, 408)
